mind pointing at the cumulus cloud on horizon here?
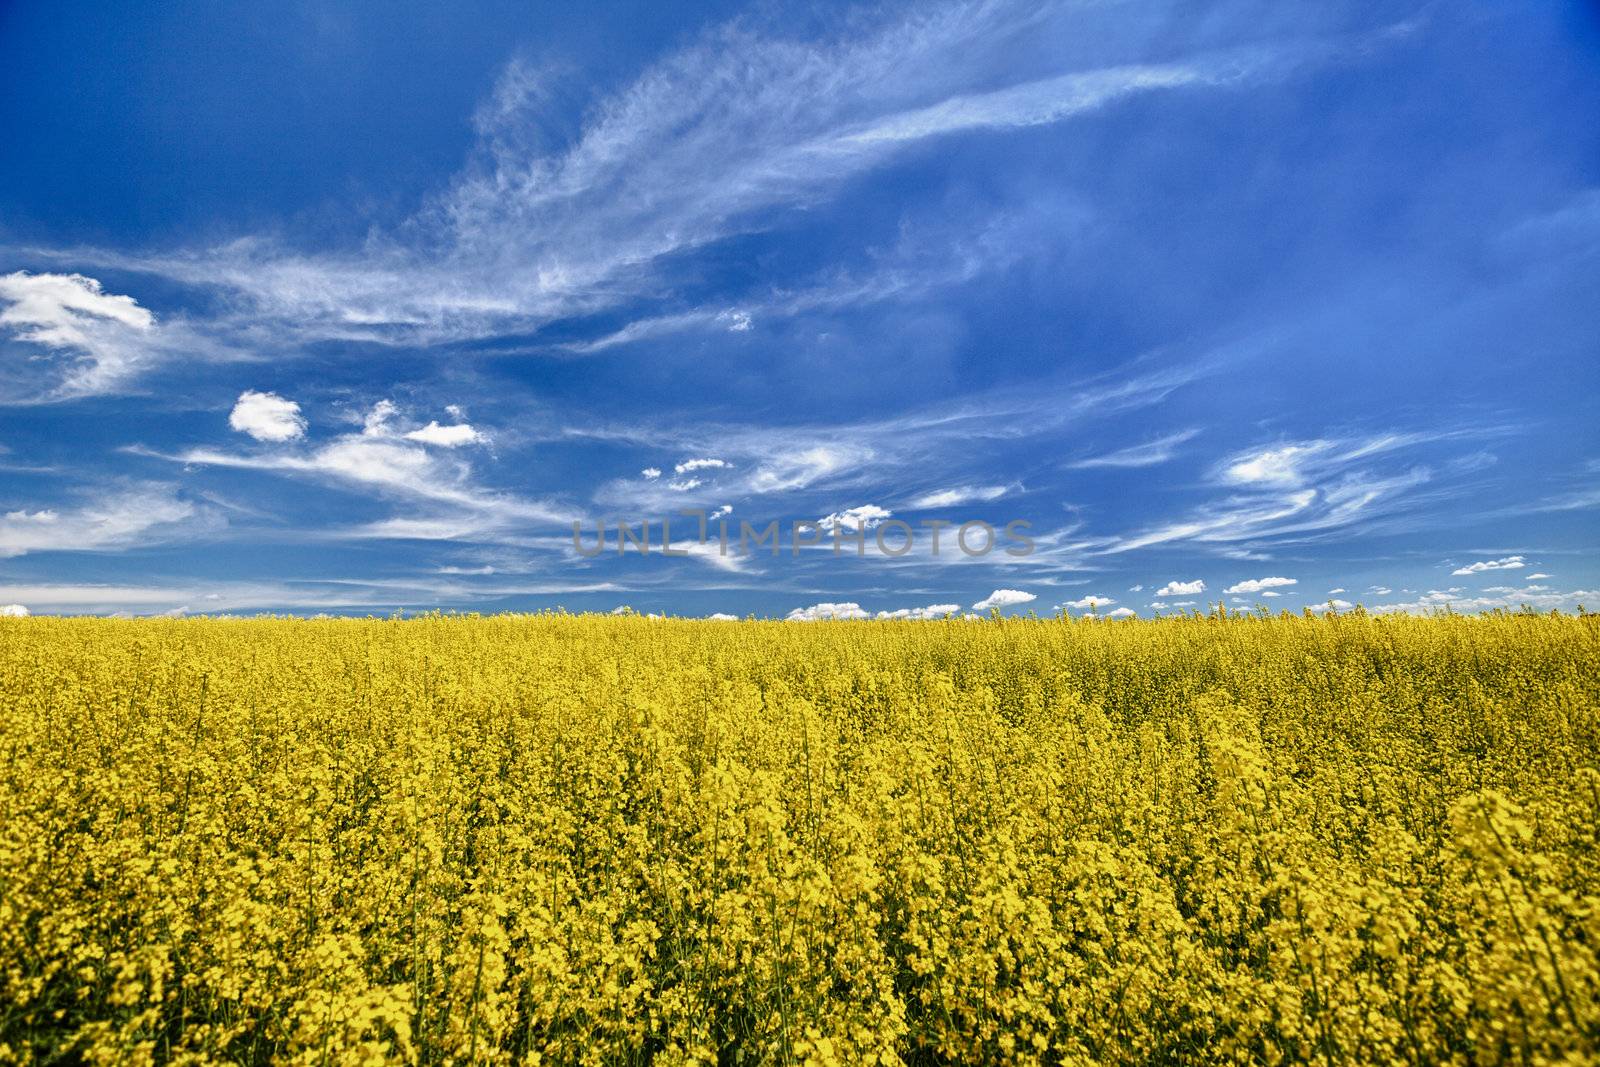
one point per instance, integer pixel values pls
(1508, 563)
(1256, 585)
(1004, 598)
(1180, 588)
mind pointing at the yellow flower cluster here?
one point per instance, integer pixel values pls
(557, 839)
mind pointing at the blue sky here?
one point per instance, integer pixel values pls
(327, 307)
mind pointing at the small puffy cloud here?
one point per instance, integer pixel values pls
(1135, 588)
(651, 473)
(1509, 563)
(1380, 590)
(446, 436)
(932, 611)
(267, 417)
(961, 494)
(1255, 585)
(738, 321)
(1177, 588)
(1003, 598)
(1538, 598)
(1333, 592)
(14, 611)
(1121, 613)
(721, 513)
(700, 465)
(817, 612)
(1269, 592)
(865, 517)
(683, 485)
(1333, 605)
(1541, 574)
(722, 616)
(1094, 601)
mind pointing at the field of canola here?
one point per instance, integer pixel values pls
(577, 839)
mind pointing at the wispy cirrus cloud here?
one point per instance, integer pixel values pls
(961, 494)
(1147, 454)
(113, 519)
(191, 596)
(529, 232)
(384, 458)
(92, 342)
(1304, 490)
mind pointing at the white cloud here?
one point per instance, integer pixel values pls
(1539, 598)
(1135, 588)
(799, 468)
(1380, 590)
(376, 421)
(13, 611)
(722, 616)
(536, 227)
(1177, 588)
(1282, 466)
(1331, 592)
(1255, 585)
(651, 473)
(122, 518)
(108, 338)
(1121, 613)
(446, 436)
(710, 551)
(1509, 563)
(865, 517)
(392, 463)
(267, 417)
(1537, 577)
(683, 485)
(1304, 491)
(700, 465)
(932, 611)
(1148, 454)
(961, 494)
(1332, 605)
(1004, 598)
(1093, 600)
(720, 513)
(847, 610)
(312, 594)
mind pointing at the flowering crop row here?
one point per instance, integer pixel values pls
(577, 839)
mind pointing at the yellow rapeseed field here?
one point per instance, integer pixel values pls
(575, 839)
